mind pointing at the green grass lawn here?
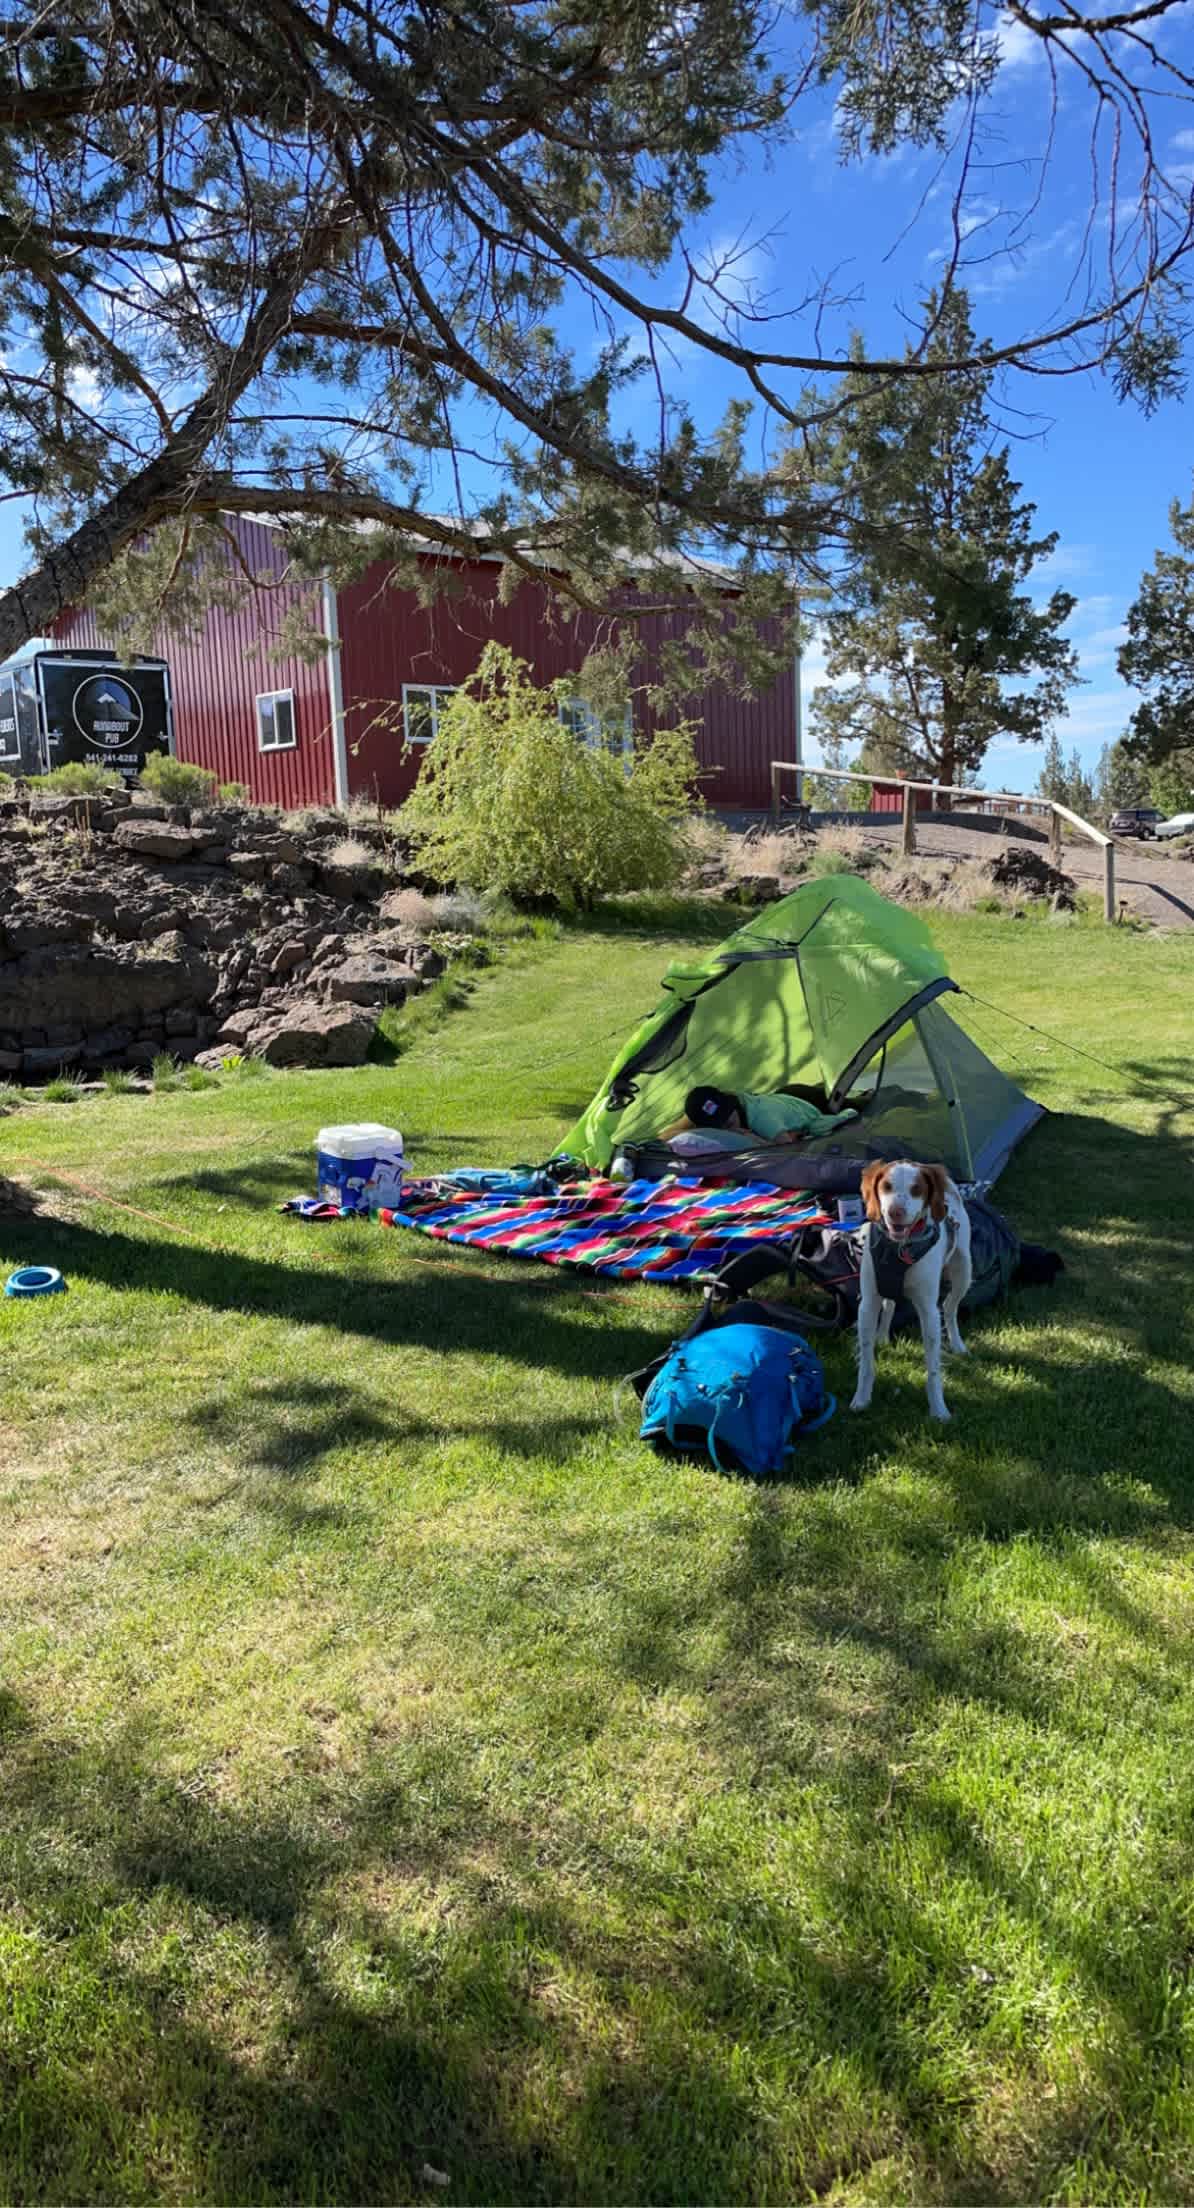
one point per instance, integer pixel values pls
(408, 1778)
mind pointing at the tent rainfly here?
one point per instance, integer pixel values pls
(834, 993)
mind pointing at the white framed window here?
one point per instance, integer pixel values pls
(612, 731)
(275, 721)
(10, 735)
(422, 704)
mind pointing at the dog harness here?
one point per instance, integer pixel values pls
(892, 1259)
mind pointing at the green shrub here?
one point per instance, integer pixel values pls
(233, 793)
(62, 1091)
(116, 1081)
(177, 781)
(830, 862)
(164, 1070)
(11, 1098)
(76, 779)
(510, 800)
(198, 1077)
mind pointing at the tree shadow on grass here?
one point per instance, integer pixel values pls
(533, 1314)
(682, 919)
(345, 1983)
(261, 1180)
(284, 1432)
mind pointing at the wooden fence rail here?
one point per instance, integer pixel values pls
(1057, 813)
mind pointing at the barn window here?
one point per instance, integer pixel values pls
(614, 731)
(275, 721)
(422, 704)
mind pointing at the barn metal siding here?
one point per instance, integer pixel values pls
(888, 797)
(389, 638)
(217, 676)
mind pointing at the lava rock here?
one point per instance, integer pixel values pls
(158, 839)
(369, 981)
(316, 1035)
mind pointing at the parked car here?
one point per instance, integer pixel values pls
(1182, 824)
(1135, 820)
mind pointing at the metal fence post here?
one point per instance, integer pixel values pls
(1109, 881)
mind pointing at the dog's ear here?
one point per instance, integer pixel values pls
(936, 1180)
(871, 1177)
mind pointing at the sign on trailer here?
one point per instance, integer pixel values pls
(103, 714)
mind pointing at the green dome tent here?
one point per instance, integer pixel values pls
(835, 992)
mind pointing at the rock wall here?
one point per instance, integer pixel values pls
(128, 928)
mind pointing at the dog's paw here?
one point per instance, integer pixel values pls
(861, 1403)
(941, 1415)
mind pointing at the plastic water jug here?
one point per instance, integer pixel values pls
(359, 1168)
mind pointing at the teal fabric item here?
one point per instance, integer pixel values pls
(769, 1116)
(740, 1394)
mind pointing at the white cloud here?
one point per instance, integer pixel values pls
(1066, 563)
(734, 274)
(1018, 46)
(83, 385)
(1183, 141)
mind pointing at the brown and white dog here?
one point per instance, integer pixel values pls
(917, 1241)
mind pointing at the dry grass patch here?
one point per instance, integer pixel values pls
(766, 851)
(849, 843)
(350, 851)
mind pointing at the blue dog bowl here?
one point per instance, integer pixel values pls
(35, 1280)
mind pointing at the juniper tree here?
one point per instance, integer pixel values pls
(936, 646)
(1158, 655)
(278, 255)
(1120, 779)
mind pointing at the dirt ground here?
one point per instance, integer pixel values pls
(1159, 889)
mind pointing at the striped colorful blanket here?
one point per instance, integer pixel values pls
(625, 1230)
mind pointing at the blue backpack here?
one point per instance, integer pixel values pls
(741, 1393)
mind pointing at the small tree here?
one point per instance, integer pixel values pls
(512, 800)
(1171, 785)
(1158, 657)
(1120, 779)
(1079, 786)
(831, 796)
(1066, 781)
(1051, 782)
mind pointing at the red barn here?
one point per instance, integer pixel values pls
(348, 719)
(888, 797)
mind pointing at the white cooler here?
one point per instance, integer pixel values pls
(359, 1168)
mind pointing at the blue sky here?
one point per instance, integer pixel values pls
(1102, 475)
(875, 235)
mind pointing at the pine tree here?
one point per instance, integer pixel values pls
(1158, 656)
(1171, 785)
(1080, 796)
(302, 256)
(938, 647)
(1052, 780)
(1120, 779)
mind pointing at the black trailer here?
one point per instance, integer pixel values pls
(60, 706)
